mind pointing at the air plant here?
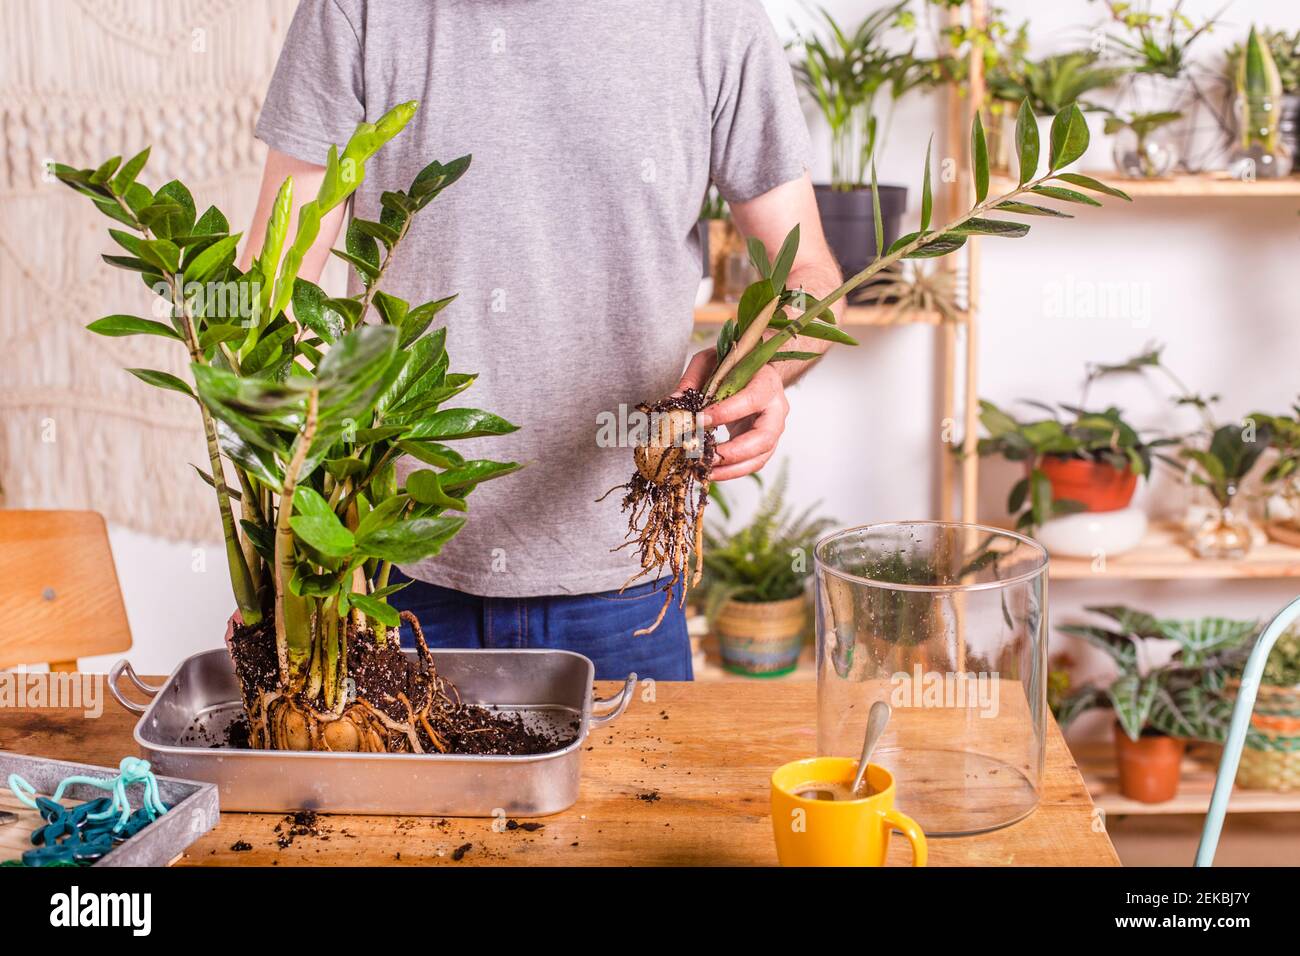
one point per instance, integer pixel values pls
(911, 288)
(308, 410)
(667, 495)
(1156, 43)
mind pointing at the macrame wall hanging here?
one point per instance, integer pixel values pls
(80, 81)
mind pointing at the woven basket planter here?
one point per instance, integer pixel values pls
(762, 639)
(1271, 758)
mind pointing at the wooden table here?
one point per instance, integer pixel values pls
(678, 780)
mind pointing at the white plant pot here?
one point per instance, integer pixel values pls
(1099, 144)
(1090, 534)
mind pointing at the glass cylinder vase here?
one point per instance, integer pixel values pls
(947, 623)
(1261, 152)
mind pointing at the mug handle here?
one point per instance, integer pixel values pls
(907, 826)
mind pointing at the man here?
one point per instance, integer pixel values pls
(596, 127)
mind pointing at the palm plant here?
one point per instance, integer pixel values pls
(1156, 43)
(1056, 82)
(308, 408)
(844, 73)
(1180, 698)
(769, 559)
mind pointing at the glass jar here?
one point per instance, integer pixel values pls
(1150, 156)
(1224, 534)
(947, 623)
(1261, 152)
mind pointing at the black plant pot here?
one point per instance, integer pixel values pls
(850, 224)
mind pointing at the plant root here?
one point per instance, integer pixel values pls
(666, 498)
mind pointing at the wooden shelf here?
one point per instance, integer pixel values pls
(715, 313)
(1200, 185)
(1096, 760)
(1163, 556)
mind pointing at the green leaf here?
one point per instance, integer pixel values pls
(311, 308)
(127, 174)
(361, 245)
(119, 325)
(927, 197)
(470, 473)
(1069, 137)
(877, 220)
(375, 610)
(162, 380)
(420, 318)
(979, 151)
(990, 227)
(785, 259)
(758, 256)
(1087, 182)
(456, 423)
(369, 272)
(425, 487)
(218, 334)
(181, 221)
(1027, 145)
(213, 260)
(1031, 209)
(1066, 195)
(211, 223)
(376, 230)
(827, 333)
(318, 525)
(392, 309)
(936, 245)
(412, 540)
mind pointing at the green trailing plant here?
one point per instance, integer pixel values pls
(1260, 87)
(308, 408)
(1153, 42)
(845, 73)
(1070, 432)
(1057, 82)
(1182, 697)
(769, 559)
(1284, 438)
(667, 494)
(1142, 125)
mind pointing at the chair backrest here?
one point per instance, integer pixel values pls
(59, 596)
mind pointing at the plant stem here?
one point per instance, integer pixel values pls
(373, 287)
(285, 602)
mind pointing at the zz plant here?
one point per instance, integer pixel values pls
(307, 401)
(667, 494)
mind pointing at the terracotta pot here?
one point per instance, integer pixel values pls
(762, 639)
(1150, 767)
(1099, 485)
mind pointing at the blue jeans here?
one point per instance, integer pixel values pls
(597, 625)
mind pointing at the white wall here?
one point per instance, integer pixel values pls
(861, 434)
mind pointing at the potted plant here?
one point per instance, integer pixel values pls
(1271, 757)
(1220, 466)
(1260, 152)
(714, 218)
(1158, 708)
(845, 73)
(1285, 50)
(754, 584)
(1283, 474)
(1139, 153)
(1154, 49)
(1056, 82)
(308, 410)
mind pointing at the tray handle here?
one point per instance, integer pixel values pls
(619, 702)
(115, 675)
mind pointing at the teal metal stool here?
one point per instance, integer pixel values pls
(1237, 729)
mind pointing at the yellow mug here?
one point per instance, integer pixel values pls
(837, 832)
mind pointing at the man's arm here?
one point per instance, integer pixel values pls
(307, 178)
(755, 416)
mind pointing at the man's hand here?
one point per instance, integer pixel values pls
(754, 416)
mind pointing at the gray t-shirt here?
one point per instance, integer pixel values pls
(596, 126)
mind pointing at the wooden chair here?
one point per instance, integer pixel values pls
(59, 596)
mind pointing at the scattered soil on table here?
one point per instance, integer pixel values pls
(650, 796)
(529, 827)
(298, 824)
(240, 846)
(461, 850)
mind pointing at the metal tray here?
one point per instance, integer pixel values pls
(546, 688)
(193, 805)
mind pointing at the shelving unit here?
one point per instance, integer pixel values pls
(1197, 186)
(715, 313)
(1163, 556)
(1096, 763)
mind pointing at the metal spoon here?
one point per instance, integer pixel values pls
(877, 719)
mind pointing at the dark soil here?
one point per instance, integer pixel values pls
(240, 846)
(380, 673)
(297, 824)
(459, 853)
(530, 827)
